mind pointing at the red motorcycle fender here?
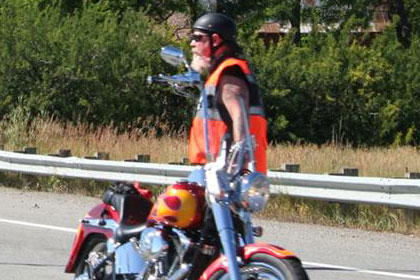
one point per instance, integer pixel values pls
(84, 232)
(248, 251)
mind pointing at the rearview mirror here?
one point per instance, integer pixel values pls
(173, 56)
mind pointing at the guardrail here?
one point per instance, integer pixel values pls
(403, 193)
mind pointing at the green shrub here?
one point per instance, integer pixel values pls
(89, 66)
(335, 87)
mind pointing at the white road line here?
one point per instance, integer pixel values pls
(38, 225)
(382, 273)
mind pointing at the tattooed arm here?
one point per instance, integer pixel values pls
(232, 90)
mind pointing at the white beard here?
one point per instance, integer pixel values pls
(200, 63)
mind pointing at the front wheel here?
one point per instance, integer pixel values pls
(95, 249)
(264, 266)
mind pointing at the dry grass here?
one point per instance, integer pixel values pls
(48, 136)
(371, 162)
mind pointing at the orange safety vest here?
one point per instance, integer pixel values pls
(217, 127)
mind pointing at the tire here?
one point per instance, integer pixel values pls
(94, 245)
(267, 267)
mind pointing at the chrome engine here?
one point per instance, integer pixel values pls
(153, 247)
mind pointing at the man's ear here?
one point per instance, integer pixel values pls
(217, 40)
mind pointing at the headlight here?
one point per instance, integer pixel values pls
(255, 190)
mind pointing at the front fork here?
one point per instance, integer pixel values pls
(226, 231)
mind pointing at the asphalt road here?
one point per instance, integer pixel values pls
(37, 230)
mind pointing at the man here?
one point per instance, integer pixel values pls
(229, 83)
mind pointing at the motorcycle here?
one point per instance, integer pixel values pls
(198, 228)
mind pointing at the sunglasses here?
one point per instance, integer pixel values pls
(196, 37)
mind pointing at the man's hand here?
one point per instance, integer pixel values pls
(238, 158)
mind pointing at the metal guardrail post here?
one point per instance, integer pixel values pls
(291, 167)
(102, 155)
(30, 150)
(350, 171)
(412, 175)
(143, 158)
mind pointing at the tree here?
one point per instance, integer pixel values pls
(159, 10)
(285, 11)
(403, 27)
(340, 12)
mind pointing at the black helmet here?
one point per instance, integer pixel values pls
(217, 23)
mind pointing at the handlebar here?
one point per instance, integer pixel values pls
(189, 79)
(157, 80)
(181, 84)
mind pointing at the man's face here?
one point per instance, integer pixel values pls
(201, 50)
(200, 43)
